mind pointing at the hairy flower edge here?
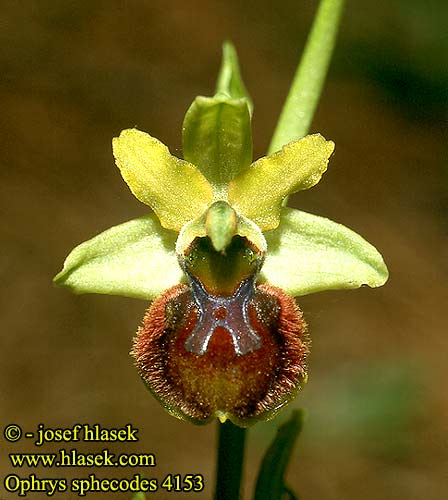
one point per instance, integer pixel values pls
(243, 388)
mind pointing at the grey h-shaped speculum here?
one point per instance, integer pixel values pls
(230, 313)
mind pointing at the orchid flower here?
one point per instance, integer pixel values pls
(222, 257)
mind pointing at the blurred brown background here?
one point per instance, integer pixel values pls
(74, 73)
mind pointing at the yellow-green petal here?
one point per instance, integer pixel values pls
(308, 254)
(173, 188)
(134, 259)
(258, 191)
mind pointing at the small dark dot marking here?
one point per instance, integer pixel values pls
(220, 313)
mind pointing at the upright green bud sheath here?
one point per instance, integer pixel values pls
(217, 137)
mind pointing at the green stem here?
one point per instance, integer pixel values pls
(293, 124)
(229, 473)
(306, 88)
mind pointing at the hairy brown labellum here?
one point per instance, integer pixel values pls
(240, 356)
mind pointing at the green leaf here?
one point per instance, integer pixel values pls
(217, 138)
(270, 482)
(229, 81)
(258, 191)
(173, 188)
(134, 259)
(288, 494)
(306, 88)
(139, 496)
(308, 254)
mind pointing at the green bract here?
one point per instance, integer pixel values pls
(216, 191)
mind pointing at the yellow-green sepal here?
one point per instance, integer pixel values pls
(173, 188)
(134, 259)
(258, 191)
(308, 254)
